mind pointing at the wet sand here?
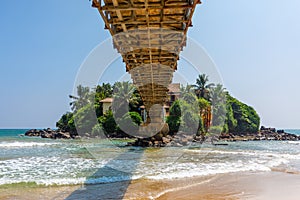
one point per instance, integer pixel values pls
(274, 185)
(252, 186)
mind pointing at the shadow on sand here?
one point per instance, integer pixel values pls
(108, 182)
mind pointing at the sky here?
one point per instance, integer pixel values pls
(254, 44)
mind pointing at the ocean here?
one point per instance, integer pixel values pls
(44, 162)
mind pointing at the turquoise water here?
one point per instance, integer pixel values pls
(30, 160)
(11, 132)
(294, 131)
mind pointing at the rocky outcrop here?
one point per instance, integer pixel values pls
(49, 133)
(263, 134)
(162, 140)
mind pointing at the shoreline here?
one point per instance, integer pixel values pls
(242, 185)
(179, 139)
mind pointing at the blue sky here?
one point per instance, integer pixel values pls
(255, 45)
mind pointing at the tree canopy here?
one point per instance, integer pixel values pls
(202, 108)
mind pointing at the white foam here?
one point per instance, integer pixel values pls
(294, 142)
(48, 170)
(220, 162)
(178, 189)
(65, 170)
(251, 154)
(209, 169)
(68, 181)
(16, 144)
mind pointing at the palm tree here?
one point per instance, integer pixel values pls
(188, 94)
(104, 91)
(218, 94)
(82, 98)
(218, 102)
(125, 95)
(202, 87)
(187, 89)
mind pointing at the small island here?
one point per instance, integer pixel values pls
(192, 113)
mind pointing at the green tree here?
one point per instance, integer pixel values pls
(82, 98)
(85, 119)
(108, 123)
(173, 119)
(247, 119)
(97, 130)
(218, 103)
(187, 89)
(184, 117)
(66, 123)
(129, 123)
(204, 110)
(190, 98)
(230, 121)
(202, 86)
(125, 97)
(104, 91)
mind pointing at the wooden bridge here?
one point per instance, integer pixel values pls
(149, 34)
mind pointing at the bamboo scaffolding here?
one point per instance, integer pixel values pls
(149, 35)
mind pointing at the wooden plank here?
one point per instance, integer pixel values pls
(129, 8)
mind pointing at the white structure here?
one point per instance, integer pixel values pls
(107, 102)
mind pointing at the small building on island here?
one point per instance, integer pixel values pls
(106, 104)
(173, 95)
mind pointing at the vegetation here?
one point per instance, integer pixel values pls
(241, 118)
(174, 118)
(87, 110)
(202, 86)
(217, 111)
(204, 108)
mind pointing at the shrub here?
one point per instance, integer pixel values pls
(85, 119)
(215, 130)
(97, 130)
(129, 123)
(184, 117)
(108, 123)
(246, 120)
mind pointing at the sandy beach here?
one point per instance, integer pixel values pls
(247, 185)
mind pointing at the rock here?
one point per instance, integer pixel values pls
(48, 133)
(280, 131)
(63, 135)
(177, 145)
(158, 137)
(165, 140)
(33, 133)
(87, 135)
(184, 141)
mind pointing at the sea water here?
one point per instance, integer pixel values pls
(46, 162)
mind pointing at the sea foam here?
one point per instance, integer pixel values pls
(17, 144)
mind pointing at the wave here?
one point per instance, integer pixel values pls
(16, 144)
(67, 181)
(65, 169)
(179, 188)
(259, 154)
(221, 162)
(294, 142)
(211, 169)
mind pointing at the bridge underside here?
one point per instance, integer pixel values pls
(149, 35)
